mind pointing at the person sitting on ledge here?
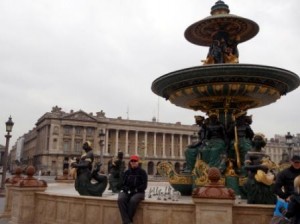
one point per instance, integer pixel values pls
(133, 188)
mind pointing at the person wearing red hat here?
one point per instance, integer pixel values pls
(135, 181)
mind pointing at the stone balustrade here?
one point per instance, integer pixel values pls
(31, 201)
(36, 206)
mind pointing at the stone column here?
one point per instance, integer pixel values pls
(136, 142)
(106, 142)
(126, 143)
(172, 146)
(145, 144)
(117, 142)
(154, 144)
(50, 146)
(73, 140)
(164, 145)
(180, 147)
(96, 142)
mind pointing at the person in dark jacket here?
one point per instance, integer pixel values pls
(133, 188)
(293, 210)
(284, 184)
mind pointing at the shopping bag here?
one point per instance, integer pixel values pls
(278, 215)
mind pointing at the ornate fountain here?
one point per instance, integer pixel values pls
(222, 85)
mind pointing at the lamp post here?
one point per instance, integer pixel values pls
(101, 143)
(9, 125)
(289, 142)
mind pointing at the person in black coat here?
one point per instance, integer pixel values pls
(285, 179)
(133, 188)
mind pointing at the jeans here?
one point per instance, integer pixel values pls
(128, 204)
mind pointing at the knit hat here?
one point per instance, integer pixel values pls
(296, 158)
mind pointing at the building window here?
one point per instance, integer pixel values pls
(78, 146)
(56, 130)
(55, 143)
(90, 131)
(67, 146)
(67, 130)
(108, 148)
(78, 130)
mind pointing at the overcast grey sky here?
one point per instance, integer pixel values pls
(104, 55)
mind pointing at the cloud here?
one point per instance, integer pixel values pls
(94, 55)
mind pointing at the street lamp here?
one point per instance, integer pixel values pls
(101, 143)
(289, 142)
(9, 125)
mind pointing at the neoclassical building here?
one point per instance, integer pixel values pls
(58, 136)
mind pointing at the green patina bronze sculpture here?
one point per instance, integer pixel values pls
(85, 174)
(116, 171)
(260, 178)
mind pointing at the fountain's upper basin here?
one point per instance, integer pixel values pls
(235, 86)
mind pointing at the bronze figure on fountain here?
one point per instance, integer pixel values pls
(116, 173)
(86, 173)
(260, 176)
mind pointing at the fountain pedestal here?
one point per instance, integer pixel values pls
(214, 202)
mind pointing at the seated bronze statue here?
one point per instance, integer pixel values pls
(116, 172)
(85, 174)
(258, 187)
